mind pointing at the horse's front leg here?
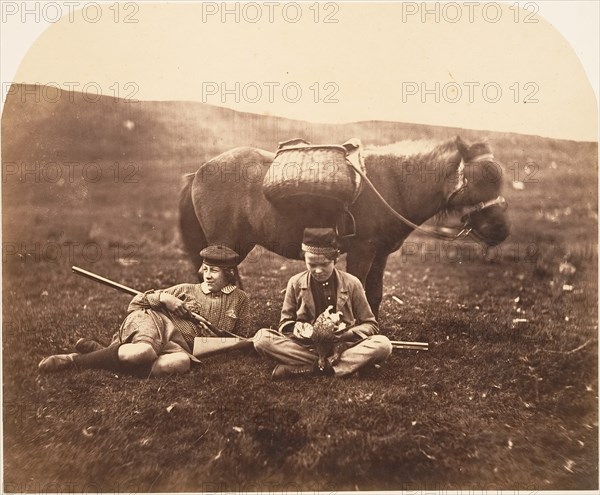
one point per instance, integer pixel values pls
(360, 257)
(374, 283)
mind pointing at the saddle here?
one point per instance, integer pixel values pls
(303, 174)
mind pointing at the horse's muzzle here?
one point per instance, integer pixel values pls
(490, 226)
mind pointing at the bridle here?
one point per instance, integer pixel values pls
(466, 220)
(469, 210)
(447, 233)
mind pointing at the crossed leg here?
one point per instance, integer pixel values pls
(372, 350)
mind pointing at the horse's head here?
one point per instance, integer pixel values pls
(478, 196)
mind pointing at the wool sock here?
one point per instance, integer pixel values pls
(108, 359)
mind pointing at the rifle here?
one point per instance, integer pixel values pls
(133, 292)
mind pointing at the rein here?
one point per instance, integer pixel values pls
(465, 230)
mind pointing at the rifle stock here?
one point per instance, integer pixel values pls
(134, 292)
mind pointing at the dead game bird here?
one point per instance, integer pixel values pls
(326, 336)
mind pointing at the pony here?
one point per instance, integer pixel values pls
(223, 203)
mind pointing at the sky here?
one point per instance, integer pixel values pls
(486, 65)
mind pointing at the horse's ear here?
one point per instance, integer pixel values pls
(462, 146)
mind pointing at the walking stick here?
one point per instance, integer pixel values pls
(415, 346)
(401, 344)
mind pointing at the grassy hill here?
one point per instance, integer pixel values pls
(45, 123)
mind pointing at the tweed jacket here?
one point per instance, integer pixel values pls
(227, 310)
(299, 305)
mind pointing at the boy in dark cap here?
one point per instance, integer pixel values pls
(157, 336)
(308, 294)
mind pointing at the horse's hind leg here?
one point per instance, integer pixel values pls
(240, 284)
(192, 234)
(199, 243)
(243, 251)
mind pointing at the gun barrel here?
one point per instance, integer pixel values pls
(105, 281)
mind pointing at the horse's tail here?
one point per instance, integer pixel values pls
(193, 237)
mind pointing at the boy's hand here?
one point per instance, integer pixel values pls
(337, 353)
(174, 305)
(303, 330)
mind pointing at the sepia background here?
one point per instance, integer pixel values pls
(104, 117)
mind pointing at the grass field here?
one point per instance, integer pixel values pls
(496, 402)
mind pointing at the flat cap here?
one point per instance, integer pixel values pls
(320, 241)
(219, 255)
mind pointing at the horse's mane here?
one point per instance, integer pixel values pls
(417, 151)
(411, 147)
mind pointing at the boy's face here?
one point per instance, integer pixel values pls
(319, 266)
(214, 277)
